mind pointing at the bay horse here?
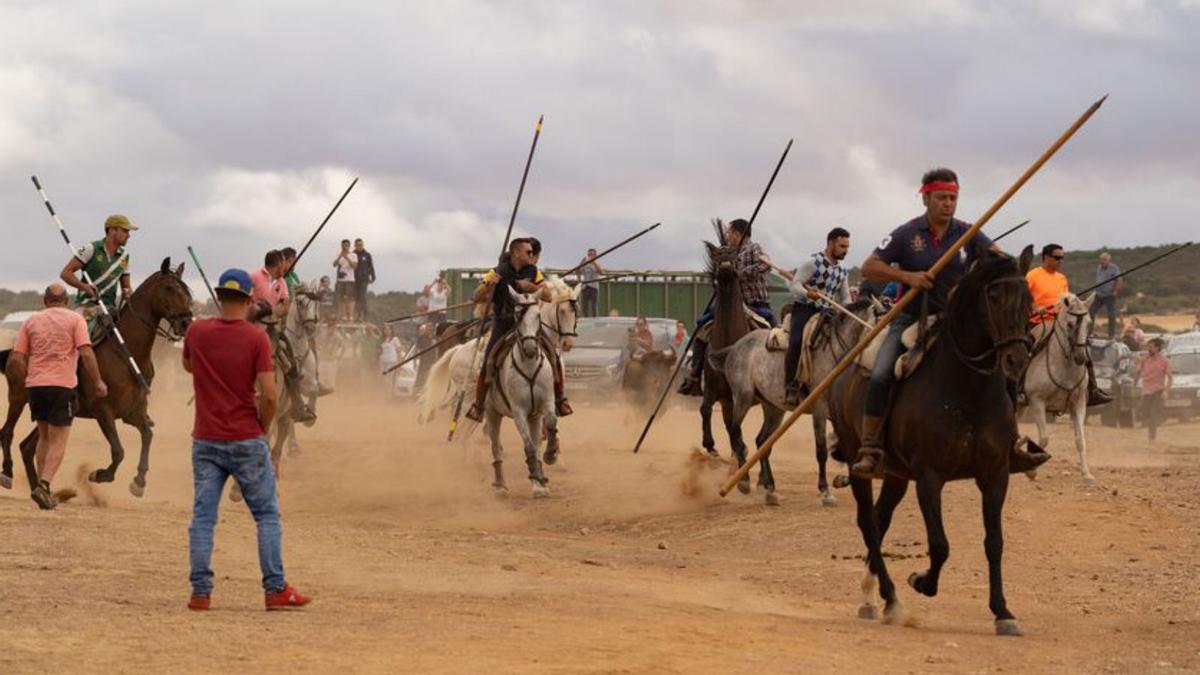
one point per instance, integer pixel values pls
(951, 419)
(756, 376)
(162, 296)
(730, 323)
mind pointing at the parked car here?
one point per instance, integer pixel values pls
(1183, 400)
(9, 328)
(591, 367)
(1113, 363)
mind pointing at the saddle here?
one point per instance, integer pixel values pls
(907, 363)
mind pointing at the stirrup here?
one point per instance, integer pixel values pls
(867, 464)
(563, 408)
(475, 413)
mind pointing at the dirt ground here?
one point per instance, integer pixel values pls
(416, 567)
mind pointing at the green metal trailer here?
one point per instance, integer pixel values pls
(679, 295)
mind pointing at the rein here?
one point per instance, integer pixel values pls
(971, 360)
(1066, 346)
(156, 326)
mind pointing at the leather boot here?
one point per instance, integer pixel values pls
(692, 383)
(796, 392)
(871, 451)
(1095, 395)
(475, 414)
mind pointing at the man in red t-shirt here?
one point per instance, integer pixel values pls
(227, 357)
(1154, 374)
(45, 357)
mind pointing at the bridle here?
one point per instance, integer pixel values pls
(557, 327)
(1067, 345)
(530, 378)
(170, 334)
(972, 361)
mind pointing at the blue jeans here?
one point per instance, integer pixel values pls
(249, 462)
(1108, 302)
(885, 366)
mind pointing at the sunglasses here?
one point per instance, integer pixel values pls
(1058, 257)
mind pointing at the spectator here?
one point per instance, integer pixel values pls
(681, 336)
(345, 263)
(1196, 323)
(389, 355)
(853, 294)
(45, 356)
(326, 306)
(613, 311)
(1106, 292)
(1154, 373)
(425, 338)
(1134, 337)
(591, 288)
(228, 358)
(364, 276)
(438, 295)
(644, 336)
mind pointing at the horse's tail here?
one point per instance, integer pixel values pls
(437, 390)
(718, 358)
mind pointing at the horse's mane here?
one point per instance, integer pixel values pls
(985, 270)
(559, 289)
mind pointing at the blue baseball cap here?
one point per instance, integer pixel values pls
(234, 283)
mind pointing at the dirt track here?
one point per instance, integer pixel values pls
(415, 566)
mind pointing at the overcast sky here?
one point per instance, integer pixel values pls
(235, 126)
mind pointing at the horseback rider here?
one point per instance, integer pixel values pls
(822, 274)
(517, 270)
(752, 268)
(1047, 285)
(106, 263)
(915, 246)
(270, 295)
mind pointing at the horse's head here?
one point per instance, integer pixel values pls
(561, 314)
(164, 295)
(529, 322)
(994, 296)
(721, 262)
(306, 305)
(1079, 325)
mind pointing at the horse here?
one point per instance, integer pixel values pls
(163, 295)
(730, 324)
(644, 376)
(756, 375)
(951, 419)
(1056, 379)
(523, 389)
(455, 369)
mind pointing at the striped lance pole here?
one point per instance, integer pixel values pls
(112, 320)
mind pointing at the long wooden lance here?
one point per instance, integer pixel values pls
(200, 269)
(692, 338)
(433, 346)
(819, 390)
(323, 222)
(427, 312)
(1135, 268)
(108, 316)
(512, 219)
(610, 249)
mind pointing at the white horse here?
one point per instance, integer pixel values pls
(455, 371)
(523, 389)
(1056, 378)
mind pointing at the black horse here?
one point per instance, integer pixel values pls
(952, 419)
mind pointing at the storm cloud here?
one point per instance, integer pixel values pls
(234, 127)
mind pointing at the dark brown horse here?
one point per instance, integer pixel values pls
(645, 376)
(952, 419)
(163, 295)
(730, 323)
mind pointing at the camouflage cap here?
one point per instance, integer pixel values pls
(118, 220)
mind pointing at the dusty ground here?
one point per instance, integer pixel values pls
(415, 566)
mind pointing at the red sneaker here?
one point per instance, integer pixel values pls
(288, 598)
(199, 603)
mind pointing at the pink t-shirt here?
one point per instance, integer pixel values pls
(273, 291)
(1153, 373)
(51, 339)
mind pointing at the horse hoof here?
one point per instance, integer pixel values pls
(827, 499)
(550, 457)
(5, 481)
(893, 614)
(500, 490)
(98, 476)
(712, 452)
(1008, 627)
(1089, 479)
(868, 612)
(744, 486)
(917, 581)
(235, 493)
(136, 490)
(771, 499)
(540, 491)
(840, 481)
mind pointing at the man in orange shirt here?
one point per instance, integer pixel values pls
(1047, 285)
(44, 357)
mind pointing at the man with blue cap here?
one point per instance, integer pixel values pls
(228, 358)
